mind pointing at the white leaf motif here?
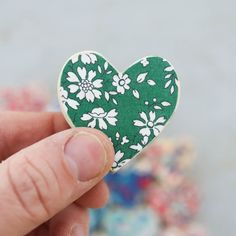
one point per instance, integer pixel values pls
(157, 107)
(168, 76)
(109, 72)
(165, 104)
(177, 82)
(172, 89)
(167, 84)
(114, 100)
(118, 155)
(106, 65)
(169, 68)
(151, 82)
(137, 147)
(136, 93)
(99, 69)
(117, 135)
(141, 77)
(107, 96)
(113, 92)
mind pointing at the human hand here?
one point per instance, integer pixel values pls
(50, 176)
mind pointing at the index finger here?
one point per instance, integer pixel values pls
(21, 129)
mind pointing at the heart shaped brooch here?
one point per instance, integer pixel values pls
(131, 108)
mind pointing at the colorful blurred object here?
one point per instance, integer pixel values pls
(130, 192)
(153, 196)
(158, 188)
(190, 230)
(138, 221)
(177, 206)
(30, 98)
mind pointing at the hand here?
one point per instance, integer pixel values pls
(50, 177)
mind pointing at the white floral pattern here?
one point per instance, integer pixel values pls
(86, 84)
(137, 147)
(124, 140)
(118, 155)
(117, 164)
(131, 107)
(171, 79)
(65, 100)
(86, 58)
(121, 82)
(150, 124)
(98, 114)
(144, 62)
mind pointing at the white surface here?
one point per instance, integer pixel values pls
(198, 37)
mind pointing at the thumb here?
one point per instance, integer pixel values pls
(41, 180)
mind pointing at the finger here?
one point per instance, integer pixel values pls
(62, 223)
(97, 197)
(42, 230)
(74, 220)
(41, 180)
(21, 129)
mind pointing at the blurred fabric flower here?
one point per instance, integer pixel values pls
(28, 98)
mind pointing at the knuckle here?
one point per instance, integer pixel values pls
(30, 190)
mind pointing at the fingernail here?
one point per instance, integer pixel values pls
(85, 155)
(77, 231)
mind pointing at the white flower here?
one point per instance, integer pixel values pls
(65, 100)
(117, 164)
(124, 140)
(86, 84)
(144, 62)
(121, 82)
(98, 114)
(150, 124)
(86, 58)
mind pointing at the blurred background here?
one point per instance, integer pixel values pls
(197, 37)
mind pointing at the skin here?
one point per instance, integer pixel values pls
(63, 206)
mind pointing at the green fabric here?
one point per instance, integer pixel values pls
(131, 107)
